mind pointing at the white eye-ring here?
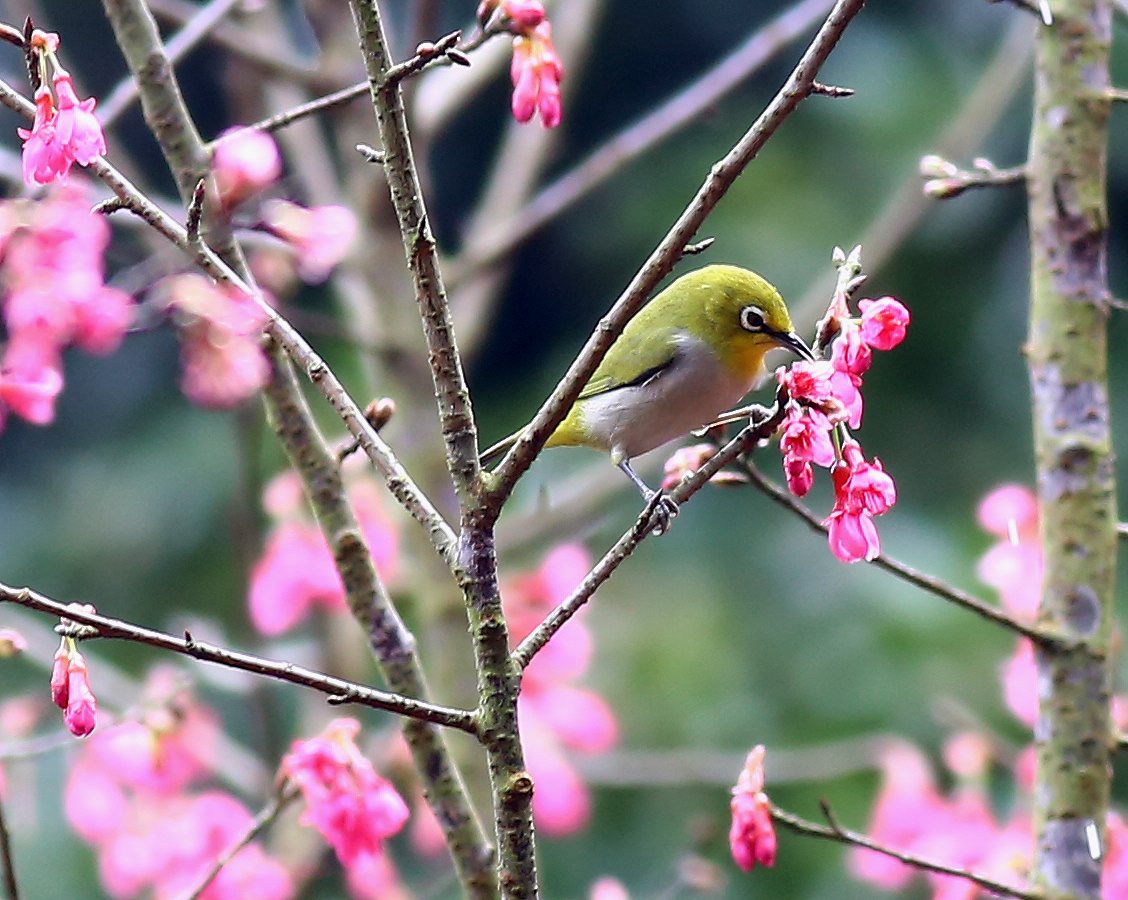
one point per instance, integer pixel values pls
(752, 318)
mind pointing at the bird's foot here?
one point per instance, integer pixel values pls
(659, 513)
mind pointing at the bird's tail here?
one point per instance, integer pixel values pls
(492, 454)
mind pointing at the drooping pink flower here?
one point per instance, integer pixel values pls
(536, 72)
(46, 157)
(580, 718)
(76, 124)
(1009, 511)
(374, 877)
(804, 439)
(752, 838)
(884, 322)
(295, 571)
(561, 800)
(861, 491)
(70, 689)
(244, 162)
(353, 807)
(320, 236)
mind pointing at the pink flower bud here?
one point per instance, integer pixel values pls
(59, 682)
(523, 15)
(752, 838)
(536, 72)
(883, 322)
(82, 708)
(244, 162)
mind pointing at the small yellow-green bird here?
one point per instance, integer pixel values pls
(689, 355)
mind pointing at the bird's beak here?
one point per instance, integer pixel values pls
(794, 343)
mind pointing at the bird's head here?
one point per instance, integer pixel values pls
(745, 317)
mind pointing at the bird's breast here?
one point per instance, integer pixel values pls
(692, 391)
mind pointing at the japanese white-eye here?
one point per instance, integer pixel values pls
(689, 355)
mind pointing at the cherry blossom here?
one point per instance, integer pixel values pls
(752, 838)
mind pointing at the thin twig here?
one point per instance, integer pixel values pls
(946, 180)
(744, 442)
(451, 53)
(666, 119)
(7, 861)
(262, 819)
(195, 30)
(721, 177)
(884, 561)
(338, 689)
(835, 832)
(426, 54)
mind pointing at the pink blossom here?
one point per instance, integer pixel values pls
(523, 15)
(850, 353)
(967, 754)
(883, 322)
(102, 319)
(346, 800)
(30, 379)
(1014, 565)
(580, 718)
(561, 801)
(244, 162)
(1114, 878)
(295, 571)
(1009, 511)
(46, 157)
(224, 363)
(685, 461)
(320, 236)
(1020, 683)
(77, 126)
(861, 491)
(608, 888)
(907, 806)
(427, 838)
(80, 715)
(809, 381)
(805, 439)
(94, 801)
(373, 877)
(752, 838)
(536, 72)
(250, 873)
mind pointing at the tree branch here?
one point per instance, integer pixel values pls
(928, 583)
(744, 442)
(720, 179)
(265, 816)
(835, 832)
(1067, 357)
(339, 690)
(945, 180)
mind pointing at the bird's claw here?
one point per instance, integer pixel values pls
(661, 510)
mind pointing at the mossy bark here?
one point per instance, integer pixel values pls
(1067, 359)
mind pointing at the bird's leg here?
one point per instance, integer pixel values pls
(663, 508)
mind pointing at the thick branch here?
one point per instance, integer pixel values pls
(453, 396)
(338, 689)
(721, 177)
(1067, 358)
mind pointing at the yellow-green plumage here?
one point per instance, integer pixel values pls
(690, 354)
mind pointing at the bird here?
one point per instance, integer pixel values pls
(685, 358)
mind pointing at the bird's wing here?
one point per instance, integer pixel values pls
(644, 356)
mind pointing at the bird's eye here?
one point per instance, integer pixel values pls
(752, 318)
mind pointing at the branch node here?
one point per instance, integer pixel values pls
(109, 205)
(698, 247)
(371, 154)
(831, 90)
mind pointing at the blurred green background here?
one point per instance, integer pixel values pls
(737, 628)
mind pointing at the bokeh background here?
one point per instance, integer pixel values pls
(739, 627)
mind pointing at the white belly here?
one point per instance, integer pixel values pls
(691, 392)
